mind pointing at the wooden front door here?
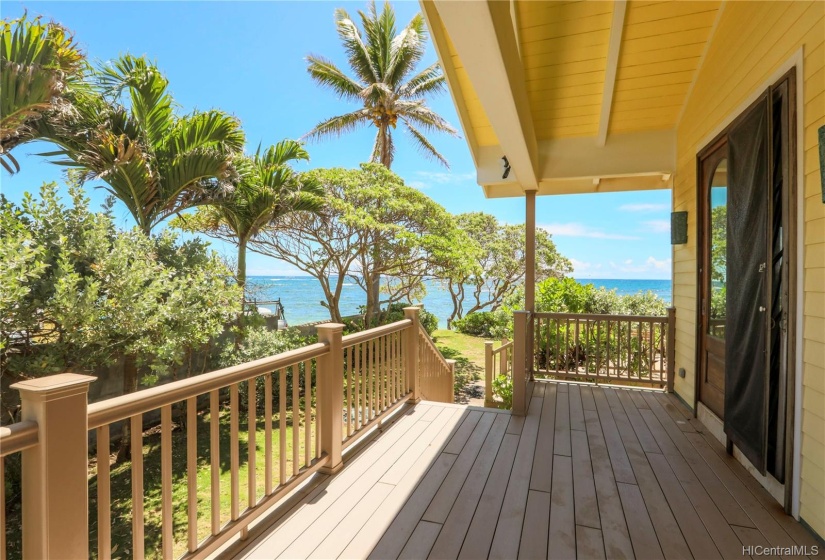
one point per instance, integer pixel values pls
(713, 276)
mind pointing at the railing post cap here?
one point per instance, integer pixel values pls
(488, 343)
(452, 362)
(61, 384)
(521, 312)
(412, 310)
(331, 327)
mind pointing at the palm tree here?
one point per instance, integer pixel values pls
(126, 133)
(267, 189)
(38, 63)
(382, 60)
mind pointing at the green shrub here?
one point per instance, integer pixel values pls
(487, 324)
(503, 389)
(393, 314)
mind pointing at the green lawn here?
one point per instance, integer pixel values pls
(121, 483)
(468, 352)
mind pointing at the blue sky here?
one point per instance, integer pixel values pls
(247, 58)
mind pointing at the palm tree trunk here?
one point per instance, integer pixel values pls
(241, 279)
(386, 155)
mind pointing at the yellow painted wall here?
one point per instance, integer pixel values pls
(753, 40)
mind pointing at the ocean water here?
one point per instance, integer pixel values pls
(301, 296)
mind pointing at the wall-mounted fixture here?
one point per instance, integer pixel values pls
(682, 372)
(506, 166)
(678, 228)
(822, 160)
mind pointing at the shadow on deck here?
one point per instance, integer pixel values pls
(590, 472)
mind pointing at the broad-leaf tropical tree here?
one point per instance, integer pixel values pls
(127, 134)
(267, 189)
(382, 62)
(38, 63)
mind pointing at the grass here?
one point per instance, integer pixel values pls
(121, 501)
(468, 352)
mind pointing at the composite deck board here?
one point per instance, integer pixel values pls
(589, 472)
(542, 475)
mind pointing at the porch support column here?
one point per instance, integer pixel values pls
(530, 251)
(530, 273)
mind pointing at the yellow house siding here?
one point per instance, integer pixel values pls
(736, 66)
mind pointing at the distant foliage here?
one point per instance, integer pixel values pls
(77, 292)
(393, 314)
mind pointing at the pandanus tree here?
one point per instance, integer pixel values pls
(267, 188)
(126, 133)
(382, 62)
(39, 63)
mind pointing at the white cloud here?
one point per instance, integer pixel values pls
(652, 264)
(644, 207)
(420, 185)
(573, 229)
(657, 226)
(583, 266)
(440, 177)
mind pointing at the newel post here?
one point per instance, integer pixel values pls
(330, 390)
(449, 395)
(55, 484)
(413, 377)
(520, 370)
(671, 347)
(488, 373)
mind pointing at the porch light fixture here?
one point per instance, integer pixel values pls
(678, 228)
(506, 166)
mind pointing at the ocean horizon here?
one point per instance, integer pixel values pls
(301, 296)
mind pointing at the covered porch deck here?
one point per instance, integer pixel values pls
(589, 472)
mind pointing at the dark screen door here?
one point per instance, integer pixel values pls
(748, 271)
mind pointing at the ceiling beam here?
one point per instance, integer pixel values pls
(632, 161)
(436, 30)
(613, 48)
(483, 35)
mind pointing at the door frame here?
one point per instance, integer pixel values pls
(793, 69)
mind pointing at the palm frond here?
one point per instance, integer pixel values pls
(210, 129)
(425, 117)
(406, 51)
(336, 126)
(424, 145)
(326, 74)
(358, 54)
(429, 80)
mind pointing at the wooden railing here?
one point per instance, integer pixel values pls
(615, 349)
(436, 373)
(498, 372)
(285, 417)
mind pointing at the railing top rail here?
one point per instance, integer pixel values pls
(17, 437)
(503, 347)
(431, 345)
(600, 316)
(369, 334)
(119, 408)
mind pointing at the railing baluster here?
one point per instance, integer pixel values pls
(359, 386)
(192, 473)
(252, 444)
(268, 434)
(234, 452)
(282, 425)
(136, 426)
(104, 497)
(215, 459)
(348, 357)
(166, 480)
(296, 419)
(650, 349)
(379, 371)
(308, 412)
(609, 342)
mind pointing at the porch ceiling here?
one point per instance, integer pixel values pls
(573, 88)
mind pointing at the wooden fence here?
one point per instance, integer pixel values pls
(318, 400)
